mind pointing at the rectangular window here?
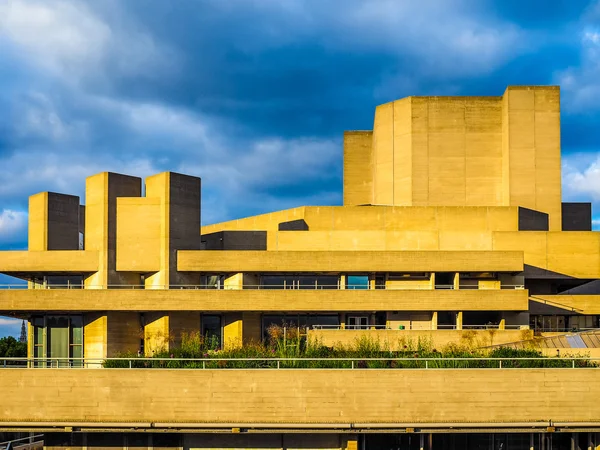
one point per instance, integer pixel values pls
(211, 330)
(357, 282)
(58, 338)
(357, 323)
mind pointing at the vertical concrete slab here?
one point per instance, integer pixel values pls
(102, 191)
(53, 222)
(180, 225)
(358, 168)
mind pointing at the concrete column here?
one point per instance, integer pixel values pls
(575, 441)
(502, 325)
(531, 441)
(233, 330)
(456, 280)
(101, 193)
(421, 442)
(350, 442)
(235, 282)
(343, 281)
(251, 327)
(372, 321)
(53, 222)
(597, 440)
(179, 197)
(342, 321)
(156, 333)
(434, 320)
(459, 320)
(432, 281)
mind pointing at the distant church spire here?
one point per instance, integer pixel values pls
(23, 337)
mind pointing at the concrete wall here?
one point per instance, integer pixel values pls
(581, 304)
(358, 168)
(53, 222)
(355, 396)
(101, 194)
(396, 339)
(252, 300)
(348, 261)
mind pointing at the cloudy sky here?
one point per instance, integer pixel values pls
(253, 96)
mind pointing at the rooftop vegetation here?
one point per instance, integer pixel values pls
(291, 349)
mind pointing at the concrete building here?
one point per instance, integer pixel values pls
(452, 220)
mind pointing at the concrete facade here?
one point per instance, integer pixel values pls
(452, 221)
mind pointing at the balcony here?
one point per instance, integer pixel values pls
(334, 400)
(194, 298)
(349, 261)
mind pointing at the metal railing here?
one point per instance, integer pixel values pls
(6, 444)
(409, 328)
(301, 363)
(257, 286)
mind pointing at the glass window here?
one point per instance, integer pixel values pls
(213, 281)
(211, 330)
(357, 282)
(58, 337)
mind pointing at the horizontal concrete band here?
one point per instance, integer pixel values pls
(478, 397)
(262, 300)
(56, 261)
(580, 304)
(349, 261)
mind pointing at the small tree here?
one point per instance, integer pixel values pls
(12, 348)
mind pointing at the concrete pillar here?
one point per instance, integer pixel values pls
(459, 320)
(575, 441)
(342, 321)
(234, 282)
(372, 321)
(101, 193)
(434, 320)
(233, 330)
(350, 442)
(502, 325)
(531, 441)
(456, 281)
(179, 225)
(421, 442)
(251, 328)
(53, 222)
(156, 333)
(597, 440)
(163, 331)
(342, 281)
(432, 281)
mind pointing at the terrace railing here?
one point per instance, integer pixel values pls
(259, 286)
(302, 363)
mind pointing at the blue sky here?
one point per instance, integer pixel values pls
(253, 96)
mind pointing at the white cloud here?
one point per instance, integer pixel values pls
(581, 177)
(10, 327)
(13, 226)
(68, 39)
(4, 321)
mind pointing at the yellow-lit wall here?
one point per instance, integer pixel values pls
(353, 396)
(138, 234)
(396, 339)
(250, 300)
(358, 168)
(468, 151)
(215, 261)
